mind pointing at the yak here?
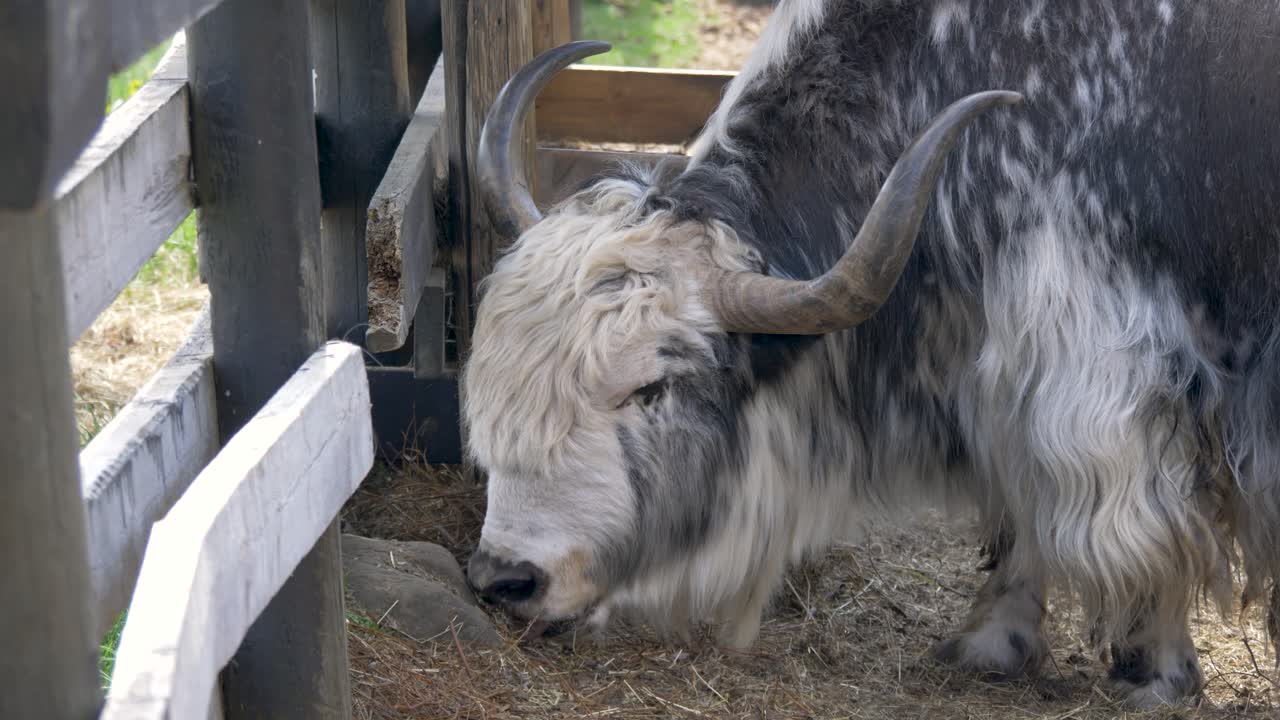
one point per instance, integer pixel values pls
(1022, 255)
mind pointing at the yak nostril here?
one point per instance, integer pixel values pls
(500, 581)
(513, 589)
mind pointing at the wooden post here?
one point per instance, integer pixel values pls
(552, 24)
(362, 108)
(53, 58)
(49, 665)
(51, 55)
(422, 29)
(485, 42)
(254, 148)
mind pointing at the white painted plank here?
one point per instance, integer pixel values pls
(138, 466)
(228, 545)
(401, 230)
(126, 193)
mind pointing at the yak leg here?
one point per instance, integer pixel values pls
(1003, 636)
(1157, 663)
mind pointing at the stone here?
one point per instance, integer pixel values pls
(416, 588)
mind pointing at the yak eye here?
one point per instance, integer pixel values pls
(648, 394)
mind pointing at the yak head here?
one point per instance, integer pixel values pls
(604, 389)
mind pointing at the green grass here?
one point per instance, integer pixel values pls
(644, 33)
(107, 657)
(363, 620)
(126, 82)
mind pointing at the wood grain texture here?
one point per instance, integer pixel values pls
(552, 24)
(362, 108)
(49, 665)
(53, 57)
(227, 547)
(254, 144)
(126, 192)
(401, 233)
(494, 41)
(457, 211)
(597, 103)
(424, 35)
(138, 466)
(561, 171)
(135, 27)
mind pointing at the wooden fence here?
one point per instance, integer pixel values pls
(326, 152)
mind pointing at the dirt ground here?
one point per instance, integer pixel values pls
(847, 638)
(730, 32)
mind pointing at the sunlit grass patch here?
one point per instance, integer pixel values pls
(646, 33)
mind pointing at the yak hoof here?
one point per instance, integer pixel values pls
(994, 654)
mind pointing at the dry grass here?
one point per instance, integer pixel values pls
(847, 638)
(127, 344)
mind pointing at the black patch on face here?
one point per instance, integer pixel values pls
(683, 465)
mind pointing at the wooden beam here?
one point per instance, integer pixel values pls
(52, 57)
(561, 171)
(412, 412)
(425, 38)
(126, 192)
(254, 143)
(402, 232)
(597, 103)
(140, 464)
(485, 43)
(135, 27)
(228, 546)
(552, 24)
(49, 665)
(362, 108)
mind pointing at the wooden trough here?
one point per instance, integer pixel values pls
(326, 148)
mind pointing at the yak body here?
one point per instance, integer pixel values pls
(1085, 342)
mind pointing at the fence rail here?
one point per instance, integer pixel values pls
(125, 194)
(138, 466)
(226, 548)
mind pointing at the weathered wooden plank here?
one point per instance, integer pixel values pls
(49, 665)
(138, 466)
(126, 192)
(485, 44)
(401, 234)
(410, 412)
(423, 32)
(623, 104)
(561, 171)
(52, 59)
(226, 548)
(362, 108)
(430, 333)
(254, 145)
(552, 24)
(453, 58)
(135, 27)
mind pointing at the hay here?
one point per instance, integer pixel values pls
(848, 638)
(132, 339)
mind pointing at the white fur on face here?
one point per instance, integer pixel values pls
(570, 325)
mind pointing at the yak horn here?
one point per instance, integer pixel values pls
(852, 290)
(503, 178)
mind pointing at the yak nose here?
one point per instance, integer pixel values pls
(499, 580)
